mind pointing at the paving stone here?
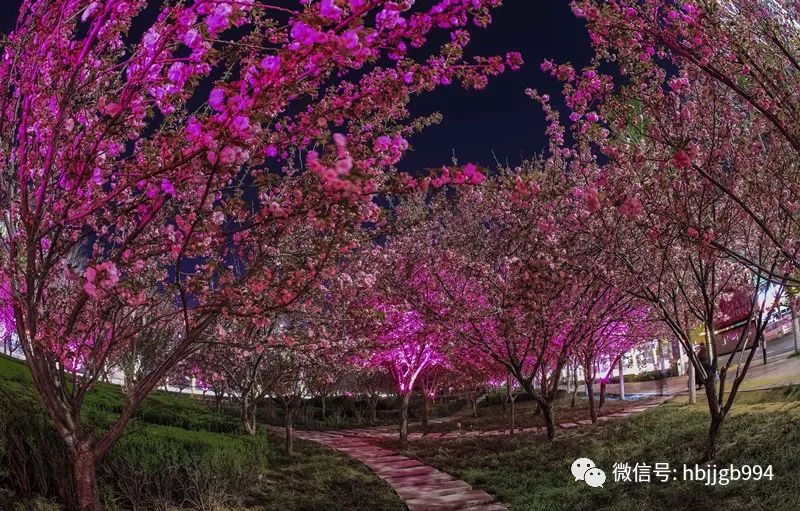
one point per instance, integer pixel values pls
(567, 425)
(414, 471)
(419, 480)
(393, 467)
(451, 502)
(585, 422)
(421, 491)
(369, 452)
(422, 487)
(495, 506)
(387, 457)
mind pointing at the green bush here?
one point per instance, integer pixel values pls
(154, 466)
(174, 453)
(32, 457)
(646, 376)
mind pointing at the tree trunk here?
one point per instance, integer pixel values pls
(85, 491)
(549, 420)
(248, 417)
(795, 329)
(712, 441)
(511, 418)
(574, 385)
(324, 410)
(404, 399)
(373, 403)
(692, 384)
(621, 381)
(602, 394)
(425, 411)
(474, 398)
(590, 396)
(289, 440)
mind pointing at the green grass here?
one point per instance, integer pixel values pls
(171, 433)
(531, 473)
(494, 416)
(347, 413)
(317, 478)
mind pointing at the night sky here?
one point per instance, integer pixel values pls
(501, 118)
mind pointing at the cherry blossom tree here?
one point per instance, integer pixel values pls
(616, 326)
(373, 383)
(656, 226)
(494, 269)
(409, 346)
(240, 358)
(290, 387)
(734, 64)
(432, 378)
(128, 187)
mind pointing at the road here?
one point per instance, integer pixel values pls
(780, 370)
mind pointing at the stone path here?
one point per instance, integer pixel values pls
(422, 487)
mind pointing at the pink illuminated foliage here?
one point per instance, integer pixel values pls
(404, 343)
(739, 60)
(494, 269)
(662, 180)
(138, 184)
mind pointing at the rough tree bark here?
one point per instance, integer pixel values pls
(549, 419)
(248, 416)
(574, 386)
(289, 438)
(590, 396)
(425, 410)
(87, 494)
(404, 399)
(373, 409)
(511, 398)
(795, 327)
(602, 399)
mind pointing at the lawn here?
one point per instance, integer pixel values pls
(348, 412)
(178, 454)
(530, 473)
(495, 416)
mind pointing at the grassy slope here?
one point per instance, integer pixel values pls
(316, 478)
(531, 473)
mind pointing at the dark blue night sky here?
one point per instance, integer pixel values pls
(500, 118)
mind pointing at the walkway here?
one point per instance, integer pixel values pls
(780, 371)
(422, 487)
